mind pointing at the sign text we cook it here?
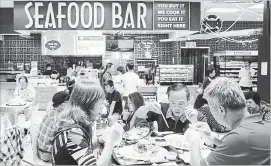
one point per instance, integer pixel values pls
(88, 15)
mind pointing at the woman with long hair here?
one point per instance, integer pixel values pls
(135, 101)
(73, 144)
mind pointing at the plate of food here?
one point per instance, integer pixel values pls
(140, 153)
(137, 133)
(16, 102)
(178, 141)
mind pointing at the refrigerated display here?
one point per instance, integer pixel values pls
(176, 73)
(229, 65)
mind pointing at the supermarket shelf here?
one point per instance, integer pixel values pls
(176, 81)
(176, 73)
(229, 67)
(173, 77)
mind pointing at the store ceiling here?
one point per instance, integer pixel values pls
(233, 11)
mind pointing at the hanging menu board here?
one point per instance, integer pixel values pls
(91, 45)
(171, 15)
(120, 43)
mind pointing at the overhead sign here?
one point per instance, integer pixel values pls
(236, 53)
(120, 43)
(171, 15)
(53, 45)
(147, 45)
(82, 15)
(90, 45)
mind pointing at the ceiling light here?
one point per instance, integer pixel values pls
(258, 6)
(224, 10)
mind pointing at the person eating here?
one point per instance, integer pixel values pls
(171, 116)
(135, 101)
(73, 143)
(248, 143)
(25, 93)
(47, 126)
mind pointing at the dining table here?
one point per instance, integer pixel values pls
(152, 136)
(8, 108)
(101, 127)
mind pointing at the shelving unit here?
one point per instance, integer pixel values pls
(176, 73)
(229, 63)
(149, 93)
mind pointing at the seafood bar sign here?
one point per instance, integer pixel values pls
(83, 15)
(106, 15)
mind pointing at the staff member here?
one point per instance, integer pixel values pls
(131, 82)
(114, 98)
(245, 75)
(48, 71)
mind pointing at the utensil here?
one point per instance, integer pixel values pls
(174, 149)
(163, 117)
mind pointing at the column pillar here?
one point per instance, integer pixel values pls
(264, 56)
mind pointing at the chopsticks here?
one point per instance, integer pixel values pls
(164, 118)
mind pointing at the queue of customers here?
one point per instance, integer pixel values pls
(67, 128)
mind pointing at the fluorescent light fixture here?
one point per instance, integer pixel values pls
(257, 6)
(223, 10)
(232, 1)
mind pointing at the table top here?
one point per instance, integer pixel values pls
(8, 108)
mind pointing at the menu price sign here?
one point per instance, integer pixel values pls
(91, 45)
(171, 15)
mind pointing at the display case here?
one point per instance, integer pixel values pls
(176, 73)
(229, 63)
(149, 93)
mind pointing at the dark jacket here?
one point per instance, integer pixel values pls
(206, 82)
(175, 126)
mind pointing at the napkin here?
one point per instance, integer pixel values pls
(186, 155)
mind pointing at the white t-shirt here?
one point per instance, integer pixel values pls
(245, 76)
(131, 81)
(118, 84)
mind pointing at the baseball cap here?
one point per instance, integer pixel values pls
(59, 98)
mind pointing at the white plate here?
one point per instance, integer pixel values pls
(186, 155)
(155, 153)
(178, 141)
(136, 133)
